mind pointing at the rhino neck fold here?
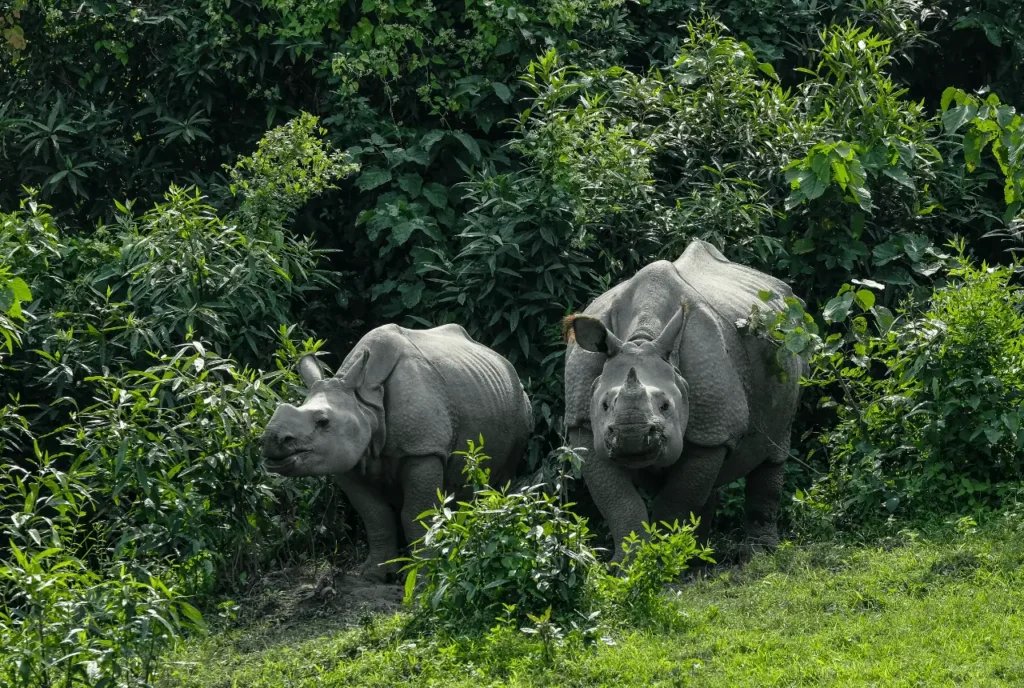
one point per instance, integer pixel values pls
(374, 416)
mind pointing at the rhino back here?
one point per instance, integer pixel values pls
(483, 393)
(730, 288)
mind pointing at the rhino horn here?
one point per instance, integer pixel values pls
(632, 389)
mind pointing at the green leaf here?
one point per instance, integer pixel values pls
(947, 97)
(801, 246)
(411, 293)
(884, 253)
(797, 342)
(430, 138)
(20, 289)
(885, 319)
(410, 585)
(502, 91)
(957, 117)
(436, 194)
(993, 434)
(192, 613)
(469, 143)
(865, 299)
(900, 176)
(914, 245)
(372, 177)
(411, 184)
(838, 308)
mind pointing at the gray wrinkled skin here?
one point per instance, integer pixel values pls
(386, 424)
(664, 393)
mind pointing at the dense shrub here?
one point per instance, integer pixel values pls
(519, 550)
(522, 555)
(69, 615)
(930, 422)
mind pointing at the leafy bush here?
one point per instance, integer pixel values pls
(174, 452)
(635, 594)
(131, 472)
(70, 615)
(940, 430)
(519, 550)
(523, 557)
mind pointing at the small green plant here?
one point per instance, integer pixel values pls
(513, 551)
(634, 594)
(549, 633)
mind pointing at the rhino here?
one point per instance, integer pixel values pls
(386, 425)
(665, 392)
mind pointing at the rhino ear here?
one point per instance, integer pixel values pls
(665, 344)
(369, 371)
(592, 335)
(309, 370)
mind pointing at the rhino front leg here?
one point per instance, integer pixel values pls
(422, 477)
(688, 488)
(613, 492)
(381, 530)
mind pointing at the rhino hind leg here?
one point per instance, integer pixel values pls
(762, 493)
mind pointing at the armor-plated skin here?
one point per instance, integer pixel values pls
(386, 425)
(665, 393)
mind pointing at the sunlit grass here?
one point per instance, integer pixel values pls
(944, 610)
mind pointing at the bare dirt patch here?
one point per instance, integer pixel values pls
(309, 601)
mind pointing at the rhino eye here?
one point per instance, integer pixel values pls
(322, 422)
(604, 405)
(666, 405)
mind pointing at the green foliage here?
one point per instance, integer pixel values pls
(174, 450)
(13, 292)
(292, 164)
(990, 123)
(661, 557)
(131, 462)
(820, 614)
(70, 616)
(940, 430)
(521, 550)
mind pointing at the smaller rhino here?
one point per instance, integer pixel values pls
(386, 425)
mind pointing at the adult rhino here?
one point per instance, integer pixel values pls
(386, 424)
(667, 394)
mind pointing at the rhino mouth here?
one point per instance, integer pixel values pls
(635, 442)
(283, 465)
(638, 459)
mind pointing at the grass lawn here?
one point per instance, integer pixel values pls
(944, 610)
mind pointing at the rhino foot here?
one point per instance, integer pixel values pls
(377, 572)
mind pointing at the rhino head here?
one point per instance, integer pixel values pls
(339, 425)
(639, 404)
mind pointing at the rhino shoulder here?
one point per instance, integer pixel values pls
(453, 330)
